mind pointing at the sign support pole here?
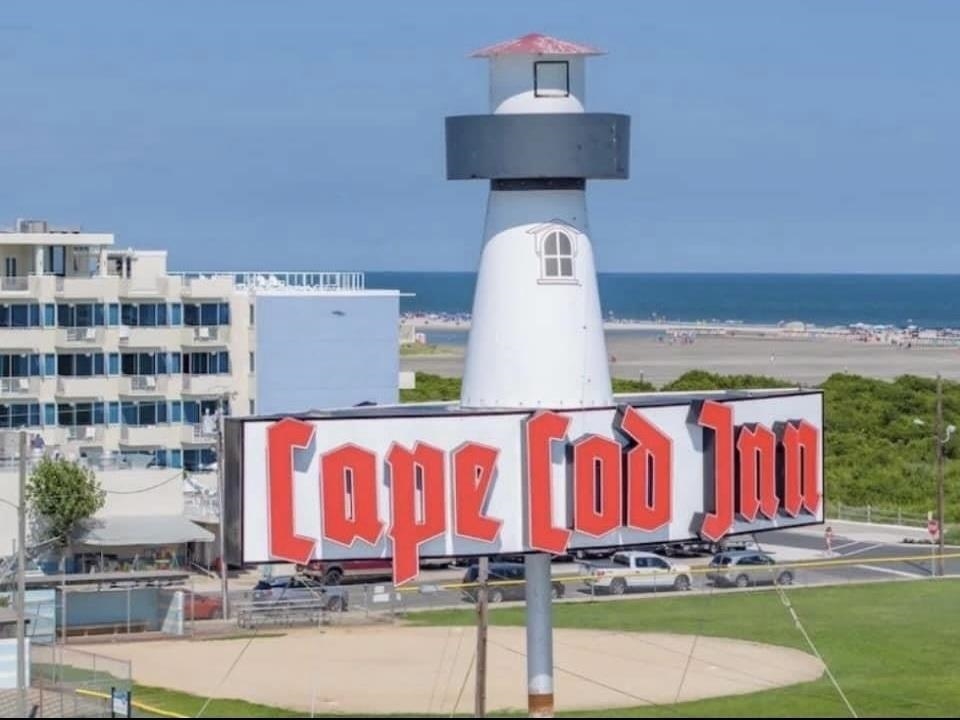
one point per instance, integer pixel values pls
(480, 697)
(539, 589)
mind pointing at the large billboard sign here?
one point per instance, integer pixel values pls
(454, 484)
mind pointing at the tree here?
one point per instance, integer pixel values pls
(60, 495)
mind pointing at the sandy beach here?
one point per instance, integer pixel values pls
(806, 359)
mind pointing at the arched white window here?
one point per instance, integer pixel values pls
(557, 255)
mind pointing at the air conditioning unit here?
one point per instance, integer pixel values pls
(149, 382)
(23, 384)
(32, 226)
(203, 333)
(89, 433)
(89, 334)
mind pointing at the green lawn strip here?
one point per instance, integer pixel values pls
(891, 647)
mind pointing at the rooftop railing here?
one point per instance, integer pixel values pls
(305, 281)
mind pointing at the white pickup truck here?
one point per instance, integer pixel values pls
(633, 569)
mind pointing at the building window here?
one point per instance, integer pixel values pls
(252, 362)
(206, 363)
(198, 459)
(20, 315)
(80, 365)
(557, 256)
(80, 414)
(19, 366)
(551, 78)
(252, 314)
(19, 415)
(81, 315)
(11, 267)
(150, 412)
(253, 406)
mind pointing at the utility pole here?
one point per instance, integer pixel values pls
(940, 443)
(224, 590)
(480, 696)
(22, 581)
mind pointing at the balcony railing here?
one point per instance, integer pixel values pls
(14, 284)
(85, 335)
(206, 334)
(207, 384)
(306, 282)
(20, 386)
(89, 386)
(149, 384)
(198, 434)
(84, 433)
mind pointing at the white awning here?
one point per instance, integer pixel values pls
(142, 530)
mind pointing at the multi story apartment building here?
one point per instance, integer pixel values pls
(105, 355)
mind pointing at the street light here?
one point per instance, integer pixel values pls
(940, 441)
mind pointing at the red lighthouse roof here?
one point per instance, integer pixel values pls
(536, 44)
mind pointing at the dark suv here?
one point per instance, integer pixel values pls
(507, 581)
(747, 567)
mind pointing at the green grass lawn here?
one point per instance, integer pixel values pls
(893, 647)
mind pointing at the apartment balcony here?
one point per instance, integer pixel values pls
(205, 335)
(143, 287)
(81, 336)
(207, 384)
(197, 435)
(86, 286)
(158, 337)
(85, 434)
(144, 385)
(207, 286)
(148, 435)
(20, 387)
(83, 387)
(15, 285)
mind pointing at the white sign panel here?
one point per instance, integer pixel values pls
(458, 484)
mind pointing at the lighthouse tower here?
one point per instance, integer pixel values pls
(536, 336)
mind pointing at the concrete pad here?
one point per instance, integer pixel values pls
(430, 670)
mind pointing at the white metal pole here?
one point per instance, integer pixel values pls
(539, 593)
(224, 587)
(22, 581)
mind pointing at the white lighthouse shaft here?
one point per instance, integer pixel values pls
(536, 336)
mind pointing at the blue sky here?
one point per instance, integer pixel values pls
(814, 136)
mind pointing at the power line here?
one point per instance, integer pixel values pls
(806, 636)
(148, 488)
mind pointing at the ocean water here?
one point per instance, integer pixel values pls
(927, 301)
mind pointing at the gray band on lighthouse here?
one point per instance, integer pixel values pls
(545, 145)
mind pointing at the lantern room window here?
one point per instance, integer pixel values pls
(551, 78)
(557, 256)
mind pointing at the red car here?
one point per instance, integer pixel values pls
(205, 606)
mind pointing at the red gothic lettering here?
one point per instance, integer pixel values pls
(757, 452)
(596, 510)
(418, 507)
(719, 418)
(801, 456)
(473, 466)
(648, 494)
(282, 439)
(348, 477)
(541, 430)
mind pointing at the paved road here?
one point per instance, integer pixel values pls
(853, 560)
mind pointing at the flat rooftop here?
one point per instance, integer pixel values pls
(453, 409)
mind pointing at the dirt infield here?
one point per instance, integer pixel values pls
(421, 670)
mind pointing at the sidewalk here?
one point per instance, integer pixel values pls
(866, 532)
